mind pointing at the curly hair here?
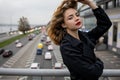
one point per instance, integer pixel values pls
(55, 31)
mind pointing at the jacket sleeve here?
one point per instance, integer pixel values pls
(77, 63)
(103, 24)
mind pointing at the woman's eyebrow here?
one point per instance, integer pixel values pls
(70, 15)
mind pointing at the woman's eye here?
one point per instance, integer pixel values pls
(69, 18)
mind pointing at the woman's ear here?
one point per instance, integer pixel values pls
(63, 25)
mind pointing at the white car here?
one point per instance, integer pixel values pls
(58, 65)
(18, 45)
(50, 47)
(48, 41)
(48, 55)
(35, 66)
(17, 41)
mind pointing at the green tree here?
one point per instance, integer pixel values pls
(23, 25)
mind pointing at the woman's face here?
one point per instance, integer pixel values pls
(72, 20)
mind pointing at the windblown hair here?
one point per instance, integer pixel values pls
(55, 31)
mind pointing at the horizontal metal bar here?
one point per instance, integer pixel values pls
(34, 72)
(111, 73)
(50, 72)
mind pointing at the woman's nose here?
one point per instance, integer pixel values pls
(76, 18)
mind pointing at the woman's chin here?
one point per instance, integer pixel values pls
(80, 26)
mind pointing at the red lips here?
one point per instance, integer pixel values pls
(78, 23)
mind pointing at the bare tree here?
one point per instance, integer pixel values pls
(23, 25)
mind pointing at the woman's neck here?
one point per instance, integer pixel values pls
(74, 34)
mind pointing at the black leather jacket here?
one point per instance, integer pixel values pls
(78, 55)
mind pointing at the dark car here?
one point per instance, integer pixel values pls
(1, 51)
(7, 53)
(30, 37)
(39, 51)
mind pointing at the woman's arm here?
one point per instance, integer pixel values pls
(103, 24)
(90, 3)
(103, 21)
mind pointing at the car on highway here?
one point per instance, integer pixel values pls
(43, 38)
(50, 47)
(35, 66)
(1, 51)
(7, 53)
(48, 41)
(30, 37)
(18, 45)
(17, 41)
(58, 65)
(40, 46)
(48, 56)
(39, 52)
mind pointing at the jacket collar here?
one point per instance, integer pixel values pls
(72, 40)
(83, 39)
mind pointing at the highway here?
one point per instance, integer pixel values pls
(47, 64)
(23, 57)
(13, 48)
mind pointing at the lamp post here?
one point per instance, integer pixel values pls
(10, 24)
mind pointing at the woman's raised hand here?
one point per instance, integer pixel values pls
(87, 2)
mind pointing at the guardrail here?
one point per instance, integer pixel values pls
(50, 72)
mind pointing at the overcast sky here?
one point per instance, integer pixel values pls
(37, 11)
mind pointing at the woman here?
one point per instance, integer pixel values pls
(77, 48)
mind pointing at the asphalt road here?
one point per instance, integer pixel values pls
(46, 64)
(23, 58)
(13, 48)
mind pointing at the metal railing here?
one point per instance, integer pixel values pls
(52, 72)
